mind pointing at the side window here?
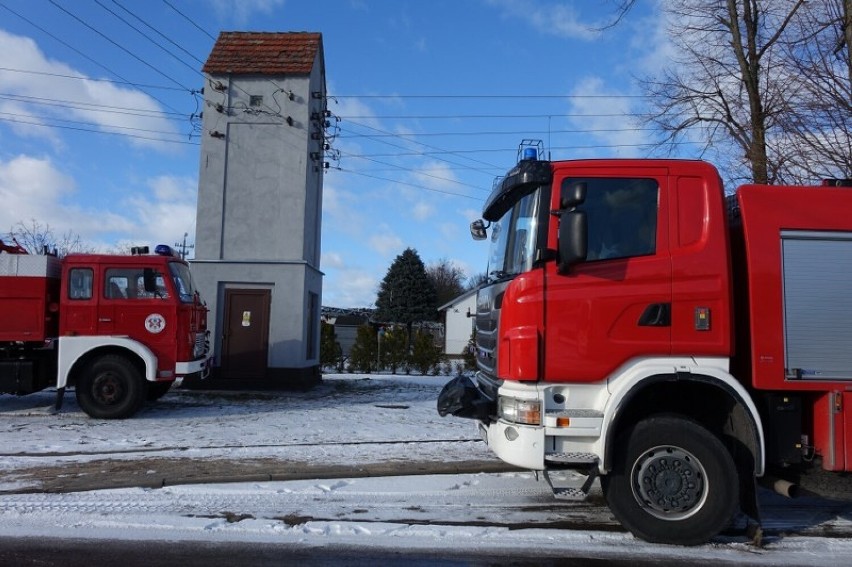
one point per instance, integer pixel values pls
(622, 217)
(117, 283)
(129, 283)
(80, 283)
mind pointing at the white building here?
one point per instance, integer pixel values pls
(458, 316)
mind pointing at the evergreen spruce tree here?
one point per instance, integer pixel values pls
(406, 295)
(362, 357)
(425, 354)
(330, 351)
(469, 352)
(394, 351)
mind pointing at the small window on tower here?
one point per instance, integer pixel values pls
(256, 100)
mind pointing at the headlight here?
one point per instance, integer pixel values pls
(519, 411)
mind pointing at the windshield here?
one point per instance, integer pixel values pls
(513, 239)
(183, 281)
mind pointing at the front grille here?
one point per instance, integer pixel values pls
(200, 347)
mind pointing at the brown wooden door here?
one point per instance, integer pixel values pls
(245, 343)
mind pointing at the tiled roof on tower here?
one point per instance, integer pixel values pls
(263, 53)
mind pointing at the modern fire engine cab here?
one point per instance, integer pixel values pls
(640, 327)
(120, 330)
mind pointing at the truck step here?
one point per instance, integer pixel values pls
(572, 458)
(569, 493)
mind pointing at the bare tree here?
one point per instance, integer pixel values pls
(36, 238)
(447, 279)
(476, 280)
(817, 129)
(727, 79)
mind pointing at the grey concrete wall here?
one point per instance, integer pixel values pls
(260, 203)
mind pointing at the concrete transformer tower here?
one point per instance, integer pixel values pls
(257, 242)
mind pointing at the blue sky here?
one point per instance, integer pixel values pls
(431, 100)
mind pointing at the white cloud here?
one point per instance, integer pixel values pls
(605, 118)
(351, 288)
(386, 244)
(34, 189)
(331, 260)
(345, 285)
(437, 175)
(240, 11)
(422, 211)
(559, 19)
(30, 188)
(471, 214)
(163, 215)
(83, 101)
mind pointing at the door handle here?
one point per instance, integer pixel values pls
(656, 315)
(104, 320)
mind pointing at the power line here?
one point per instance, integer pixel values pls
(479, 116)
(100, 132)
(188, 19)
(417, 172)
(397, 182)
(143, 34)
(158, 32)
(494, 96)
(503, 133)
(492, 150)
(88, 106)
(488, 165)
(77, 51)
(155, 69)
(84, 78)
(93, 124)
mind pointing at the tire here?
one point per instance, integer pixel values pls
(111, 387)
(672, 482)
(157, 390)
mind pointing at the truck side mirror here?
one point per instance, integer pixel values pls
(573, 239)
(572, 195)
(478, 230)
(149, 278)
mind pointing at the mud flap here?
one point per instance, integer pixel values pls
(461, 398)
(751, 508)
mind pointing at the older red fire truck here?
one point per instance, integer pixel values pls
(638, 326)
(118, 329)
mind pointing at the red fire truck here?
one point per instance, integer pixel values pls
(118, 329)
(641, 327)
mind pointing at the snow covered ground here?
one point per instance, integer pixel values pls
(349, 420)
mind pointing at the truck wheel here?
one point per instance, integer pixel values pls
(111, 387)
(672, 482)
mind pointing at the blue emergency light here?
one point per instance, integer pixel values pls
(164, 250)
(530, 154)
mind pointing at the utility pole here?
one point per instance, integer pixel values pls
(183, 246)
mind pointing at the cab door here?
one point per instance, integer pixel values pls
(127, 308)
(617, 304)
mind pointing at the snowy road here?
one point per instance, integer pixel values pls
(508, 514)
(349, 422)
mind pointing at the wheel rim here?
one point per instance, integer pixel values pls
(669, 482)
(108, 389)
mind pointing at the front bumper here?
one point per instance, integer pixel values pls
(519, 445)
(200, 368)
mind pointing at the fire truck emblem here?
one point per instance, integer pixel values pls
(155, 323)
